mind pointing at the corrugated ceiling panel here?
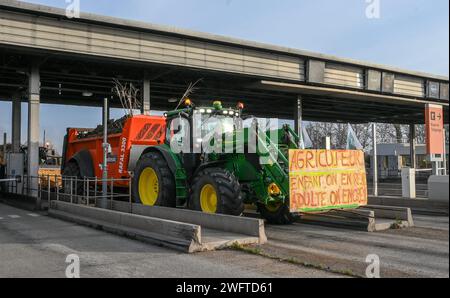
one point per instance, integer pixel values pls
(409, 86)
(346, 76)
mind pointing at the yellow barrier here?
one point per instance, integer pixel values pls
(50, 173)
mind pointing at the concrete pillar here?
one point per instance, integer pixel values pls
(33, 129)
(16, 124)
(375, 160)
(298, 116)
(5, 142)
(412, 145)
(146, 104)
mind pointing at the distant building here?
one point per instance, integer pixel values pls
(393, 157)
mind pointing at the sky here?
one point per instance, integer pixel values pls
(410, 34)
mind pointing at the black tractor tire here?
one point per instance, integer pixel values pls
(280, 216)
(227, 188)
(72, 170)
(166, 194)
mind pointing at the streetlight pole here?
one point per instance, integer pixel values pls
(103, 201)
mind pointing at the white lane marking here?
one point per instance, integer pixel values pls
(33, 215)
(1, 218)
(14, 216)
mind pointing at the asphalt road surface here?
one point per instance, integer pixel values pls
(422, 251)
(34, 245)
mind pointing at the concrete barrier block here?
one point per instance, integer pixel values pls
(390, 212)
(438, 187)
(240, 225)
(169, 233)
(183, 236)
(418, 206)
(362, 220)
(170, 228)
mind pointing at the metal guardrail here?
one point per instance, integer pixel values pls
(86, 191)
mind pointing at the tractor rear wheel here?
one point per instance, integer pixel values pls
(276, 214)
(72, 180)
(153, 182)
(217, 191)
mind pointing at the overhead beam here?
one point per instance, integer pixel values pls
(339, 93)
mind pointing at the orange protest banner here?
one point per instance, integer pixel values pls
(327, 179)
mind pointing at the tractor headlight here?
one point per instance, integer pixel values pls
(274, 190)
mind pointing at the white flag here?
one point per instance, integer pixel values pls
(352, 140)
(307, 143)
(305, 140)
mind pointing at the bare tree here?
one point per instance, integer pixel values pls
(364, 134)
(420, 134)
(317, 132)
(387, 133)
(128, 96)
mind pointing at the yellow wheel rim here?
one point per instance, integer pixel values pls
(208, 199)
(273, 207)
(148, 187)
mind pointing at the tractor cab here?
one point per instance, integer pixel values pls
(194, 129)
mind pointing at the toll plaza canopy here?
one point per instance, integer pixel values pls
(78, 58)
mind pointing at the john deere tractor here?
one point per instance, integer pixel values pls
(200, 158)
(181, 172)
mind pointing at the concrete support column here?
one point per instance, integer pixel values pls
(5, 143)
(412, 145)
(298, 114)
(33, 129)
(375, 160)
(146, 104)
(16, 134)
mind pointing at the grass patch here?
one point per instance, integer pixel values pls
(259, 252)
(397, 225)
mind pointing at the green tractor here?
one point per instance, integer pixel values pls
(180, 173)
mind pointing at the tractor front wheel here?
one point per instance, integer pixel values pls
(217, 191)
(153, 182)
(276, 213)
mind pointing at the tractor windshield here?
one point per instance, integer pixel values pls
(219, 123)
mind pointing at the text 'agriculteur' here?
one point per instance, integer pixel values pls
(327, 179)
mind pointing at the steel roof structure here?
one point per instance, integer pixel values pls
(83, 55)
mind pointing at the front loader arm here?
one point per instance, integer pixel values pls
(275, 161)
